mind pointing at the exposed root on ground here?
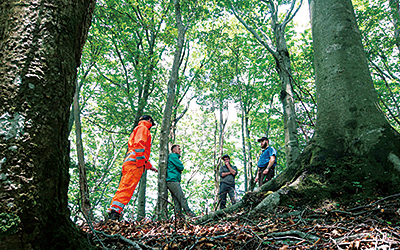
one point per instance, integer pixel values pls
(371, 225)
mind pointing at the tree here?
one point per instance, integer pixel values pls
(40, 52)
(133, 31)
(129, 39)
(354, 152)
(278, 48)
(353, 142)
(377, 23)
(166, 123)
(187, 13)
(84, 190)
(84, 203)
(395, 8)
(255, 91)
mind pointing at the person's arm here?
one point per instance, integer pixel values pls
(231, 171)
(260, 164)
(176, 162)
(151, 167)
(223, 174)
(139, 142)
(270, 163)
(257, 173)
(235, 169)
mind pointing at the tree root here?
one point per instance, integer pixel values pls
(134, 244)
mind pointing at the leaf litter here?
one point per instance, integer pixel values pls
(375, 225)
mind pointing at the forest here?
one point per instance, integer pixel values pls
(319, 78)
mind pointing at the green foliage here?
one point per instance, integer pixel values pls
(196, 137)
(126, 66)
(377, 21)
(8, 223)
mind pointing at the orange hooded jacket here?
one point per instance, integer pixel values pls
(139, 145)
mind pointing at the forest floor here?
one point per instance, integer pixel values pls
(367, 225)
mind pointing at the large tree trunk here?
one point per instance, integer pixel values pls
(166, 123)
(40, 50)
(354, 152)
(348, 118)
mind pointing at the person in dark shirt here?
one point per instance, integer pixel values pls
(227, 172)
(266, 163)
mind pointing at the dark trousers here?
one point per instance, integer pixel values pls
(263, 178)
(225, 189)
(179, 199)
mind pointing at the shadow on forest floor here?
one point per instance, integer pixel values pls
(373, 225)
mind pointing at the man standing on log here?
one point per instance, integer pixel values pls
(174, 171)
(227, 172)
(266, 163)
(136, 161)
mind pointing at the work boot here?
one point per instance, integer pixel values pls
(113, 216)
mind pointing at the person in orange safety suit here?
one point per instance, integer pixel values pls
(135, 162)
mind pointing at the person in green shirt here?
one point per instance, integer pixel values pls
(174, 171)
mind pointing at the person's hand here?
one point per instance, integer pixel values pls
(148, 165)
(256, 178)
(266, 171)
(153, 169)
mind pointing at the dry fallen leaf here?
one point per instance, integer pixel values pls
(354, 245)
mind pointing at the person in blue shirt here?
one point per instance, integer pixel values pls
(266, 163)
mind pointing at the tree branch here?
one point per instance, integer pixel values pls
(289, 17)
(252, 31)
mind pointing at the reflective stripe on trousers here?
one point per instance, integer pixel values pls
(117, 206)
(131, 175)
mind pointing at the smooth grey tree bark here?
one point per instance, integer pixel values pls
(347, 101)
(40, 50)
(75, 118)
(246, 147)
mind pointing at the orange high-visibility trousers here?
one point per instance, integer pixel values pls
(131, 175)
